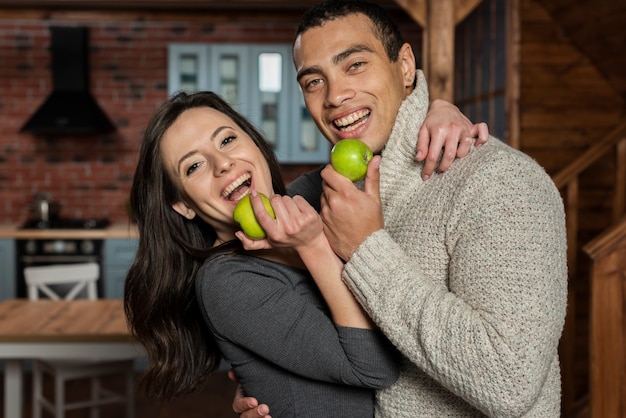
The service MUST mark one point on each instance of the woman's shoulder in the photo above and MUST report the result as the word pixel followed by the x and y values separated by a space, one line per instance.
pixel 241 272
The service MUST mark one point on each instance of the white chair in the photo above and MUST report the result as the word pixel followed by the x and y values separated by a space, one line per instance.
pixel 70 281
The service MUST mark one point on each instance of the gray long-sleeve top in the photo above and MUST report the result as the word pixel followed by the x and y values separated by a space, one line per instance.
pixel 273 327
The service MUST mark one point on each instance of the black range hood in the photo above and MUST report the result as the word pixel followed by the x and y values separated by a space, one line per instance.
pixel 70 108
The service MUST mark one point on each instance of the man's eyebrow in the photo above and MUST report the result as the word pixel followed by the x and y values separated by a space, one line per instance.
pixel 310 70
pixel 352 50
pixel 335 60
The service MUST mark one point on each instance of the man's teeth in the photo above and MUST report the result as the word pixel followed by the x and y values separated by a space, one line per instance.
pixel 235 184
pixel 353 126
pixel 350 119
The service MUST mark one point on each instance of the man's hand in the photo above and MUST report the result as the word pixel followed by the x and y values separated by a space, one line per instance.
pixel 247 407
pixel 446 129
pixel 349 214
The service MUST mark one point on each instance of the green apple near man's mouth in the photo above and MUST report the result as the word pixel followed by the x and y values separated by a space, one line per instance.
pixel 350 157
pixel 244 216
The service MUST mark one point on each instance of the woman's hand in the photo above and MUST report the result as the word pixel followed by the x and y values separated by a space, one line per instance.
pixel 446 129
pixel 296 223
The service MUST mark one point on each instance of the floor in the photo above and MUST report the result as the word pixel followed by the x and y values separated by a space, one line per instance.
pixel 213 400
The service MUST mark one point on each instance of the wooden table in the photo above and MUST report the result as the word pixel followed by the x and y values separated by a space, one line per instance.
pixel 79 329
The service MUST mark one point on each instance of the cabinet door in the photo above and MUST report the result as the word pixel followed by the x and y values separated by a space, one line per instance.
pixel 270 96
pixel 187 68
pixel 119 254
pixel 258 81
pixel 7 273
pixel 307 144
pixel 229 75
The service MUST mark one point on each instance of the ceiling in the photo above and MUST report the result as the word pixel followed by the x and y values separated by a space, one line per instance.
pixel 597 28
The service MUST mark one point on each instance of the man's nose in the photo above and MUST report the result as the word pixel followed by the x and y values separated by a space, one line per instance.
pixel 338 91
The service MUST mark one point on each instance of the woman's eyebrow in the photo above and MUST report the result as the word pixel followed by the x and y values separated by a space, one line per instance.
pixel 195 151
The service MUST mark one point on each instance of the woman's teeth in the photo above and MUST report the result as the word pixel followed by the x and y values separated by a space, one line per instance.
pixel 242 180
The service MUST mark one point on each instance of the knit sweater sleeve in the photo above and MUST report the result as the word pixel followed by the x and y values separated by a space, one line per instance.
pixel 490 335
pixel 469 278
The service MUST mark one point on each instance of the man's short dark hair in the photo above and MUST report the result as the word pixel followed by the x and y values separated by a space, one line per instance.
pixel 383 26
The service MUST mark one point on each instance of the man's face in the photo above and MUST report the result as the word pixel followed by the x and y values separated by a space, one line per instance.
pixel 350 87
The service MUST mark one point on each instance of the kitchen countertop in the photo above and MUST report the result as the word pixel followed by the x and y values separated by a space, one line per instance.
pixel 113 231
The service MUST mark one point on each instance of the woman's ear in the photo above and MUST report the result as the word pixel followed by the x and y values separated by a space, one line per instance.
pixel 182 208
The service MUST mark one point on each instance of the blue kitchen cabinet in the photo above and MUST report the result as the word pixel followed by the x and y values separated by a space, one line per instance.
pixel 119 254
pixel 7 269
pixel 259 81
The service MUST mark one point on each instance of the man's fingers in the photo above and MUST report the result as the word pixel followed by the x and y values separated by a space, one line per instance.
pixel 232 376
pixel 372 178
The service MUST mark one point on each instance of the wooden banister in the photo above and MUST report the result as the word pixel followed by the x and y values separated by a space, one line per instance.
pixel 567 181
pixel 607 346
pixel 607 241
pixel 590 157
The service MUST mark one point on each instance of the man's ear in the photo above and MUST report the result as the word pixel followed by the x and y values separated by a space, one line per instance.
pixel 407 60
pixel 182 208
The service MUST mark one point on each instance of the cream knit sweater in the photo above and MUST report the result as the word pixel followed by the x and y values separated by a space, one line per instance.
pixel 468 279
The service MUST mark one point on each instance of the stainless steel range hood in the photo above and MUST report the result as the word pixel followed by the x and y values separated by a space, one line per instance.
pixel 70 108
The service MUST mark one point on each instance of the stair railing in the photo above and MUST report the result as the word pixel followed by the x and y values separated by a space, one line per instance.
pixel 567 181
pixel 607 342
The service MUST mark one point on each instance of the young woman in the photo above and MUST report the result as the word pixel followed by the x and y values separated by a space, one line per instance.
pixel 293 333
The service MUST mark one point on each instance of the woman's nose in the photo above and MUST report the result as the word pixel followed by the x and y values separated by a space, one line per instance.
pixel 222 163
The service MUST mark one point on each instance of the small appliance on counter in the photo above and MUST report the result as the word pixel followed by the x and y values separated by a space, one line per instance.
pixel 42 209
pixel 44 214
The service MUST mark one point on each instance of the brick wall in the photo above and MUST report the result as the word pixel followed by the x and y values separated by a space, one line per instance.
pixel 90 176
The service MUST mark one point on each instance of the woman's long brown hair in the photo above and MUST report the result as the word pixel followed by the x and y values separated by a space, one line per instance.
pixel 159 293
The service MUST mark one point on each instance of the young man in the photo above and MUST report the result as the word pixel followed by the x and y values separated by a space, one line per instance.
pixel 465 273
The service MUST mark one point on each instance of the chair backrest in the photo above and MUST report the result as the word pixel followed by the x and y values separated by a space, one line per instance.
pixel 58 279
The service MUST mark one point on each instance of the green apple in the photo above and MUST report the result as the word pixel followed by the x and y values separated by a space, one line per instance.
pixel 350 158
pixel 244 216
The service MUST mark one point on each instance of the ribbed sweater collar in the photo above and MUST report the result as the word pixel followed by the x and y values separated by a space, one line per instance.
pixel 399 153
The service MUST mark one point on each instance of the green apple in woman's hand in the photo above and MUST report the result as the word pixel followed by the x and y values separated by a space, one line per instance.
pixel 350 157
pixel 244 216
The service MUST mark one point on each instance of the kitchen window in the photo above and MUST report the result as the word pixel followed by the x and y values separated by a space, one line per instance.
pixel 259 81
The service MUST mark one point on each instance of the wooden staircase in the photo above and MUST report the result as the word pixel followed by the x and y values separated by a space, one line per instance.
pixel 607 310
pixel 607 384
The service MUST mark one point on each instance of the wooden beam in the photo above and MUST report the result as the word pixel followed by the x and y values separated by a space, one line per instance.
pixel 462 8
pixel 512 104
pixel 438 18
pixel 416 9
pixel 439 43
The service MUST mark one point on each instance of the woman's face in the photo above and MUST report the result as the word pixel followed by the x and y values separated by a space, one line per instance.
pixel 215 163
